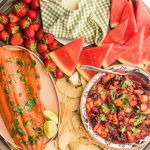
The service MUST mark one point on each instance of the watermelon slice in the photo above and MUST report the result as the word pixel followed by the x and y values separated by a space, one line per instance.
pixel 142 17
pixel 117 7
pixel 146 50
pixel 147 67
pixel 94 57
pixel 115 53
pixel 128 13
pixel 134 57
pixel 66 57
pixel 116 35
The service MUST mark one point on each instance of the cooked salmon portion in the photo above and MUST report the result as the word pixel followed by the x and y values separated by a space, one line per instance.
pixel 20 104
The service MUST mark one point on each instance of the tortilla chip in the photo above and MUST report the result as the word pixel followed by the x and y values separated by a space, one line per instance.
pixel 73 104
pixel 76 121
pixel 51 146
pixel 83 82
pixel 68 89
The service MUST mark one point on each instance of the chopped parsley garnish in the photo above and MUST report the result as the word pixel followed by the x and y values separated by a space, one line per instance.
pixel 112 93
pixel 33 64
pixel 126 83
pixel 31 141
pixel 7 91
pixel 124 99
pixel 140 118
pixel 17 129
pixel 10 59
pixel 28 123
pixel 105 108
pixel 20 94
pixel 23 79
pixel 134 129
pixel 1 68
pixel 30 103
pixel 102 117
pixel 10 102
pixel 20 71
pixel 111 127
pixel 39 131
pixel 113 109
pixel 122 129
pixel 28 90
pixel 20 62
pixel 18 110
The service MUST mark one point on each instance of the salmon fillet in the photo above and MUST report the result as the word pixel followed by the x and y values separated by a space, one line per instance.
pixel 20 104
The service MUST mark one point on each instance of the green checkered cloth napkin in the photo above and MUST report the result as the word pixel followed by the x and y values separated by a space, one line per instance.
pixel 91 19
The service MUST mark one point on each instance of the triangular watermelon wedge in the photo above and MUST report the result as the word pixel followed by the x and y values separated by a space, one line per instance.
pixel 94 57
pixel 116 35
pixel 128 13
pixel 147 68
pixel 117 7
pixel 146 50
pixel 134 56
pixel 66 57
pixel 115 53
pixel 142 17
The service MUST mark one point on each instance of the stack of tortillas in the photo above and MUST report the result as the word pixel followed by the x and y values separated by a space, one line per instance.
pixel 72 134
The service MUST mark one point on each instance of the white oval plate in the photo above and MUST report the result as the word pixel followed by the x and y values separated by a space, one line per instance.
pixel 48 94
pixel 84 115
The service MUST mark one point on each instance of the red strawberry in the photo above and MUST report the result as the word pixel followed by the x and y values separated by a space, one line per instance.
pixel 39 35
pixel 30 44
pixel 4 36
pixel 42 48
pixel 20 9
pixel 50 66
pixel 12 28
pixel 29 32
pixel 59 74
pixel 36 26
pixel 3 18
pixel 24 23
pixel 26 1
pixel 35 4
pixel 1 27
pixel 13 18
pixel 45 56
pixel 54 45
pixel 48 38
pixel 32 14
pixel 16 39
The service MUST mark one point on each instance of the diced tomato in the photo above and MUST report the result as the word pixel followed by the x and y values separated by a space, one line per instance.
pixel 100 89
pixel 144 98
pixel 110 116
pixel 97 103
pixel 133 103
pixel 118 102
pixel 130 137
pixel 88 108
pixel 88 100
pixel 143 107
pixel 128 110
pixel 97 126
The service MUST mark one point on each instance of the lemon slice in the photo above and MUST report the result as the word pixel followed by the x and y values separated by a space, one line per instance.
pixel 50 115
pixel 50 129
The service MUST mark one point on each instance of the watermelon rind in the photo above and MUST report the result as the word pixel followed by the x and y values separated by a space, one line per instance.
pixel 105 65
pixel 114 24
pixel 83 73
pixel 60 65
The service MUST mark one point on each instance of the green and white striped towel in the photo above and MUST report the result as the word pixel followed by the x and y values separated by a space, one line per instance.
pixel 90 19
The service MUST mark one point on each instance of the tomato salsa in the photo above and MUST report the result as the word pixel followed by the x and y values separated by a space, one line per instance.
pixel 118 109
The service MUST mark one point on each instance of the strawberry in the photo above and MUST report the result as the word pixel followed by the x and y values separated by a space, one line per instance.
pixel 20 9
pixel 29 32
pixel 16 39
pixel 48 38
pixel 35 4
pixel 26 1
pixel 32 14
pixel 3 19
pixel 45 56
pixel 39 35
pixel 36 26
pixel 50 66
pixel 24 23
pixel 4 36
pixel 53 45
pixel 42 48
pixel 12 28
pixel 1 27
pixel 30 44
pixel 13 18
pixel 59 74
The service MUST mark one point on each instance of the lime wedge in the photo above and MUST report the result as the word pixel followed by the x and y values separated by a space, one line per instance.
pixel 50 115
pixel 50 129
